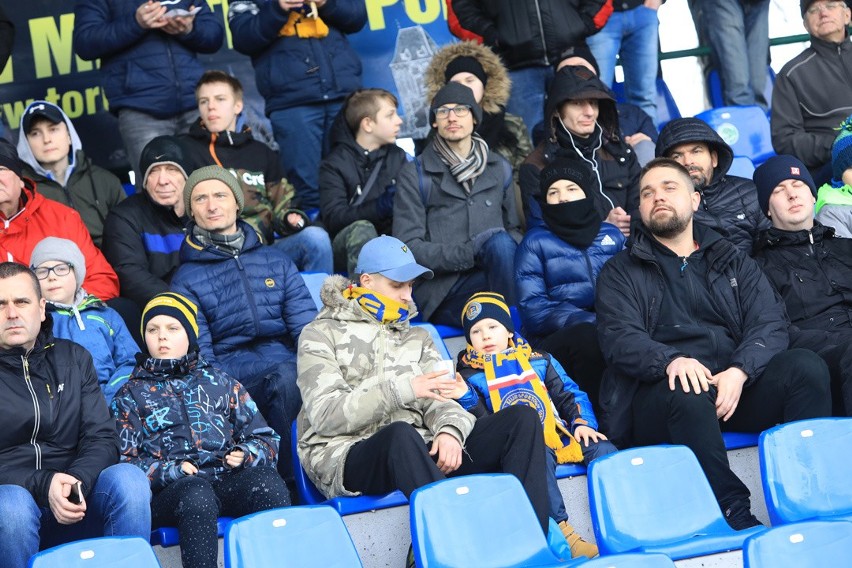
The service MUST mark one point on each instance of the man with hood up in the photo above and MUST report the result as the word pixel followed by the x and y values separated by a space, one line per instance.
pixel 581 120
pixel 54 158
pixel 728 203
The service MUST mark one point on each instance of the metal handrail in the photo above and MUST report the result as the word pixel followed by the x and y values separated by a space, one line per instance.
pixel 704 51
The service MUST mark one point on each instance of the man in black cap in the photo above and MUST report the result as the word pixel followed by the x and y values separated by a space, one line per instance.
pixel 810 268
pixel 813 91
pixel 455 207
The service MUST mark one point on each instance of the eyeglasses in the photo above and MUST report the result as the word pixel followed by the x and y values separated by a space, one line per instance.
pixel 824 6
pixel 460 111
pixel 63 269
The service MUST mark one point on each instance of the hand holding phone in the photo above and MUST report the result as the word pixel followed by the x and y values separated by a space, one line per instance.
pixel 76 495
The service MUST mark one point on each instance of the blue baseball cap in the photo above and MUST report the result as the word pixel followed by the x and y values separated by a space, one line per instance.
pixel 391 258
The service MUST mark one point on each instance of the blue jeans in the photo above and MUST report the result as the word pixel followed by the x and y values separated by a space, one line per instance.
pixel 118 505
pixel 529 87
pixel 631 34
pixel 738 34
pixel 309 249
pixel 594 451
pixel 138 128
pixel 303 135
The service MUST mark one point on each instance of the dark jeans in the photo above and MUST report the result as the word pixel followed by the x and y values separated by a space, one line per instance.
pixel 510 441
pixel 794 386
pixel 449 312
pixel 591 452
pixel 835 348
pixel 193 504
pixel 578 351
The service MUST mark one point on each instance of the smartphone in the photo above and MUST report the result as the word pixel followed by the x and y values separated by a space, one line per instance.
pixel 76 495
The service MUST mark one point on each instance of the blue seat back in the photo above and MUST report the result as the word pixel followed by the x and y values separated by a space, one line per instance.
pixel 810 543
pixel 106 552
pixel 651 496
pixel 292 537
pixel 667 108
pixel 476 520
pixel 169 536
pixel 805 469
pixel 308 492
pixel 742 167
pixel 745 129
pixel 714 87
pixel 630 561
pixel 313 281
pixel 436 338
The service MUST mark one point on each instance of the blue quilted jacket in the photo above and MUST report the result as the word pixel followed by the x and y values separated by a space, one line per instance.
pixel 556 281
pixel 251 307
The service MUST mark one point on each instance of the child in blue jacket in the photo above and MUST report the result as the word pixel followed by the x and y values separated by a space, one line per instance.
pixel 500 369
pixel 82 318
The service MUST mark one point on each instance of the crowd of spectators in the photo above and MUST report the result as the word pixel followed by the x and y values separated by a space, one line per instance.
pixel 662 299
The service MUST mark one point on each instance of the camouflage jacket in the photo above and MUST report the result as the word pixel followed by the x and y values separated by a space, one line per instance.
pixel 355 378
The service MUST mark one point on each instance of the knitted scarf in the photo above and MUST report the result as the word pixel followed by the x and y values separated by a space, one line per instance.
pixel 231 244
pixel 464 170
pixel 384 309
pixel 575 222
pixel 512 380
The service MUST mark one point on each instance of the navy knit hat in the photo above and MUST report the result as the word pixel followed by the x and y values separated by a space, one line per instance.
pixel 9 157
pixel 775 170
pixel 455 93
pixel 841 150
pixel 483 305
pixel 177 306
pixel 566 167
pixel 805 4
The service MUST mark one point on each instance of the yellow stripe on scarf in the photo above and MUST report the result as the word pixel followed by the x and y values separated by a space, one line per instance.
pixel 384 309
pixel 304 27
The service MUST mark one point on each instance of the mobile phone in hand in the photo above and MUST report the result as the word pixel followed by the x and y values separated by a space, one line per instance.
pixel 76 495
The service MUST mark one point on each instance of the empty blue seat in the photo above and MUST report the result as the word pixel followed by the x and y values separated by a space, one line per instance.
pixel 310 495
pixel 657 499
pixel 805 468
pixel 169 536
pixel 742 167
pixel 630 561
pixel 666 106
pixel 745 129
pixel 484 520
pixel 313 281
pixel 106 552
pixel 292 537
pixel 810 544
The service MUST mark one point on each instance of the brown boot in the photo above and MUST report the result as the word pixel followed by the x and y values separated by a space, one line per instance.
pixel 578 546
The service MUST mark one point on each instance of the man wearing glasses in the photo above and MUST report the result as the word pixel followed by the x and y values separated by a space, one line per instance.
pixel 455 207
pixel 813 91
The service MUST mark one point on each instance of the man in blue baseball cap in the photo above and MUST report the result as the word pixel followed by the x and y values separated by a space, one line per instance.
pixel 376 408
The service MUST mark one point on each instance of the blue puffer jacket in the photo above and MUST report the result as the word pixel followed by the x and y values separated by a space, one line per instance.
pixel 556 281
pixel 146 70
pixel 98 328
pixel 292 71
pixel 251 307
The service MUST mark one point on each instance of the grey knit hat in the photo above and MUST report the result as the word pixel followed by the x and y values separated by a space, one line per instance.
pixel 213 172
pixel 455 93
pixel 62 250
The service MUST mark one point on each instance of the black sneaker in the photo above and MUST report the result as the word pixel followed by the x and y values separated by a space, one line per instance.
pixel 409 561
pixel 739 517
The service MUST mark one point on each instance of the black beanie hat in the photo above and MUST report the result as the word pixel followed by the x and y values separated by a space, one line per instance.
pixel 177 306
pixel 483 305
pixel 775 170
pixel 9 157
pixel 163 150
pixel 805 4
pixel 466 64
pixel 582 50
pixel 455 93
pixel 566 167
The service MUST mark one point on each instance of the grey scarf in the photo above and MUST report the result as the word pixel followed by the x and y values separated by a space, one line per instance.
pixel 464 170
pixel 231 244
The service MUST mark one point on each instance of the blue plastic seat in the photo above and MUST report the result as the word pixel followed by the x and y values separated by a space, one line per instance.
pixel 745 129
pixel 313 281
pixel 310 495
pixel 436 337
pixel 169 536
pixel 667 108
pixel 484 520
pixel 106 552
pixel 657 499
pixel 742 167
pixel 816 544
pixel 291 537
pixel 805 468
pixel 630 561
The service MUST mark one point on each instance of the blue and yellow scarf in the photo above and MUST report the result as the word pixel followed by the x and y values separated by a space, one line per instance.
pixel 512 380
pixel 384 309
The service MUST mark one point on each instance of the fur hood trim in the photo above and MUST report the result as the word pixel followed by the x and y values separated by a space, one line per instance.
pixel 496 90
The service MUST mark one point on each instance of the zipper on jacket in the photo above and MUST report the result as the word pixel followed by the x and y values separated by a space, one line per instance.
pixel 811 241
pixel 249 294
pixel 541 31
pixel 36 408
pixel 589 265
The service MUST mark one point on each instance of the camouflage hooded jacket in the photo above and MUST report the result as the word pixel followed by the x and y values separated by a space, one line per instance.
pixel 355 378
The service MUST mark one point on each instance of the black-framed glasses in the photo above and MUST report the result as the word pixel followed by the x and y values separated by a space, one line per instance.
pixel 459 110
pixel 63 269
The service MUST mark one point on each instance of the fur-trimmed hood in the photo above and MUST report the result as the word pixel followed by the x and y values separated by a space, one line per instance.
pixel 496 90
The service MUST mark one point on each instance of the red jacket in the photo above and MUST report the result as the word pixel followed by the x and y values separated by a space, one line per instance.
pixel 40 217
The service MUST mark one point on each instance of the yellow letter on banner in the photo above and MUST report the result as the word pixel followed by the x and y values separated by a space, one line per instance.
pixel 375 13
pixel 423 16
pixel 48 41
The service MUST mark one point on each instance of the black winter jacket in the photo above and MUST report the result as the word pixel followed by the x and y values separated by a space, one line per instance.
pixel 344 174
pixel 142 243
pixel 628 297
pixel 729 203
pixel 533 32
pixel 54 417
pixel 812 271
